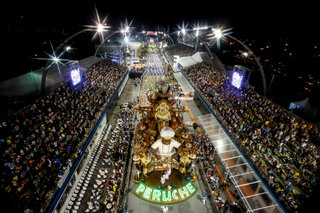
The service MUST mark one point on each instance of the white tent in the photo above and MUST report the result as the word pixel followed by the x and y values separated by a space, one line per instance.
pixel 189 60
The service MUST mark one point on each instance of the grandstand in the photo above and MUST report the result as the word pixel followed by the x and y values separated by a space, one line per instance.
pixel 93 145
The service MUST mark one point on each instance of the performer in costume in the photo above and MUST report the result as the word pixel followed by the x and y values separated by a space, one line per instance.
pixel 165 147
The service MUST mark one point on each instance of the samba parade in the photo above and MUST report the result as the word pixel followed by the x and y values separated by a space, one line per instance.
pixel 164 151
pixel 155 119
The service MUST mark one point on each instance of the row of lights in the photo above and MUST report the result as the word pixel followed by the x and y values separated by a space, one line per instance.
pixel 216 36
pixel 100 28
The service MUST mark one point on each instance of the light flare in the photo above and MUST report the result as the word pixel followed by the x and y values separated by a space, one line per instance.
pixel 217 35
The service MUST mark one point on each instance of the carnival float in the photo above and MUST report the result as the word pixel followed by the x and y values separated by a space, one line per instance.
pixel 163 150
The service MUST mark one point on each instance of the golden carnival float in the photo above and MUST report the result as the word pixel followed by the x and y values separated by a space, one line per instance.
pixel 163 150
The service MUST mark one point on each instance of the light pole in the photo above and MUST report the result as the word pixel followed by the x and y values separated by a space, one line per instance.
pixel 123 30
pixel 126 41
pixel 198 29
pixel 98 48
pixel 220 34
pixel 184 31
pixel 169 37
pixel 202 42
pixel 100 28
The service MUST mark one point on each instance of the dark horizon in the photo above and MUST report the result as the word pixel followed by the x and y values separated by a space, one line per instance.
pixel 30 23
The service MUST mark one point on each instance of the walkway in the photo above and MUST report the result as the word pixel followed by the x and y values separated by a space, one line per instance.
pixel 253 192
pixel 193 204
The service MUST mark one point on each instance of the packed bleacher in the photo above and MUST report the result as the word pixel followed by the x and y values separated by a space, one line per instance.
pixel 179 49
pixel 42 140
pixel 282 147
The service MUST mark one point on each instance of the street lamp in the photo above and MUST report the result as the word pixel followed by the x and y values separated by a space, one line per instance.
pixel 126 39
pixel 183 31
pixel 99 28
pixel 197 33
pixel 245 54
pixel 219 34
pixel 169 37
pixel 198 36
pixel 55 59
pixel 124 30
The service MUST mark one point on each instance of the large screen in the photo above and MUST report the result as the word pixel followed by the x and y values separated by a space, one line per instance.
pixel 75 76
pixel 236 79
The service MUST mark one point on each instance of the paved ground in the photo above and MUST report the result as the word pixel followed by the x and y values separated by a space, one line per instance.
pixel 193 204
pixel 135 204
pixel 129 93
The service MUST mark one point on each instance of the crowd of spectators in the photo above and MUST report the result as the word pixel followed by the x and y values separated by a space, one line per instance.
pixel 215 184
pixel 112 170
pixel 281 146
pixel 179 49
pixel 42 140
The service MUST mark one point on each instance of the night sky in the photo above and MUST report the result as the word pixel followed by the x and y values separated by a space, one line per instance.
pixel 256 16
pixel 259 19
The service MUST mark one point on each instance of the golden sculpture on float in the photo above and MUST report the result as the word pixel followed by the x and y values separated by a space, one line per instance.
pixel 162 144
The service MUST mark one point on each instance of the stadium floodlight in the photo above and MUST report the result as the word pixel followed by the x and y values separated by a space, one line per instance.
pixel 200 28
pixel 125 28
pixel 218 34
pixel 182 29
pixel 197 33
pixel 99 28
pixel 55 59
pixel 245 54
pixel 221 34
pixel 68 48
